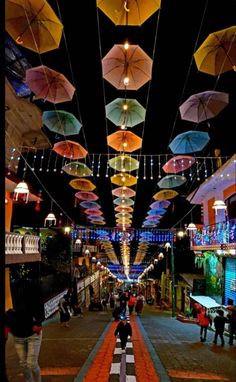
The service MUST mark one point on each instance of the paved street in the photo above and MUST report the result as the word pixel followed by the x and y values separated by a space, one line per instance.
pixel 67 353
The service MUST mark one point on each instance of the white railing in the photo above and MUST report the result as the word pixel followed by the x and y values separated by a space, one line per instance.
pixel 17 244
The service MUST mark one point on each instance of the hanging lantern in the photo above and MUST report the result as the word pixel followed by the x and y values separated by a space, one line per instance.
pixel 219 205
pixel 21 192
pixel 50 220
pixel 191 227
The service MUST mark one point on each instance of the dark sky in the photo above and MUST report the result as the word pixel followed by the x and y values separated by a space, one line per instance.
pixel 170 37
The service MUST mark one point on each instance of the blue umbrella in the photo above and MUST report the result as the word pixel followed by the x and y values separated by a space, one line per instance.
pixel 189 142
pixel 90 205
pixel 171 181
pixel 61 122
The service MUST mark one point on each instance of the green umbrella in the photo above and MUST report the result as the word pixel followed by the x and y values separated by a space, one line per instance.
pixel 127 112
pixel 77 169
pixel 61 122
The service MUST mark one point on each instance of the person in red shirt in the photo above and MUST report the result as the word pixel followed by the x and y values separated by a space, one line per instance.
pixel 204 321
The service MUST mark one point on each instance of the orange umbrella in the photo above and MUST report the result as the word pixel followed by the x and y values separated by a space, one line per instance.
pixel 128 12
pixel 88 195
pixel 124 209
pixel 124 141
pixel 123 192
pixel 82 184
pixel 165 194
pixel 70 149
pixel 178 163
pixel 125 215
pixel 49 85
pixel 127 68
pixel 126 221
pixel 33 24
pixel 123 179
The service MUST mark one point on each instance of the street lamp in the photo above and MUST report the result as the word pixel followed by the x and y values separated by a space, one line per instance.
pixel 172 274
pixel 67 231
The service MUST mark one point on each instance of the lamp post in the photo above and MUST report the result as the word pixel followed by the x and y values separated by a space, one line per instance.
pixel 172 274
pixel 67 231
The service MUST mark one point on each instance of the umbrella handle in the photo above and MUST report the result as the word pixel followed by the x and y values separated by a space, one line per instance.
pixel 125 6
pixel 19 40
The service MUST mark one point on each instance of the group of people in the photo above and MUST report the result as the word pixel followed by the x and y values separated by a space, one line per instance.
pixel 204 321
pixel 128 300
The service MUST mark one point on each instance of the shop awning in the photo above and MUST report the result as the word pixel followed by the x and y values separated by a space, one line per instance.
pixel 206 301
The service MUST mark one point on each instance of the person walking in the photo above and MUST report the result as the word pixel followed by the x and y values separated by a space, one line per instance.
pixel 219 323
pixel 139 304
pixel 204 321
pixel 231 316
pixel 64 310
pixel 131 303
pixel 124 330
pixel 24 323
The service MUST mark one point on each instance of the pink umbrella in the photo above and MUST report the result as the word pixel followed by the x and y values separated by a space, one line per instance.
pixel 48 84
pixel 123 192
pixel 93 211
pixel 127 67
pixel 178 163
pixel 124 209
pixel 83 195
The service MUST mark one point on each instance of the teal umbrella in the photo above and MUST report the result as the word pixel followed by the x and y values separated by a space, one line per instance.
pixel 127 112
pixel 61 122
pixel 189 142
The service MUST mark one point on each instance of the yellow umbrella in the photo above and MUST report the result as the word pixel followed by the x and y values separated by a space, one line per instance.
pixel 129 12
pixel 124 209
pixel 33 24
pixel 125 215
pixel 124 163
pixel 124 141
pixel 82 184
pixel 165 194
pixel 217 54
pixel 77 169
pixel 123 179
pixel 125 221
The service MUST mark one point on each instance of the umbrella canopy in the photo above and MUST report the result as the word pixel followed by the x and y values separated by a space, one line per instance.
pixel 153 217
pixel 87 205
pixel 77 169
pixel 70 149
pixel 123 202
pixel 129 12
pixel 126 221
pixel 217 54
pixel 163 203
pixel 124 209
pixel 171 181
pixel 124 162
pixel 155 210
pixel 124 179
pixel 49 85
pixel 123 192
pixel 178 163
pixel 33 24
pixel 202 106
pixel 97 222
pixel 189 142
pixel 93 211
pixel 82 184
pixel 124 141
pixel 125 215
pixel 61 122
pixel 164 195
pixel 96 218
pixel 89 196
pixel 126 68
pixel 126 112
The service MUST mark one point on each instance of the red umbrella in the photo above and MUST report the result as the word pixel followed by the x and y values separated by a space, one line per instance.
pixel 123 192
pixel 83 195
pixel 70 149
pixel 178 163
pixel 48 84
pixel 93 211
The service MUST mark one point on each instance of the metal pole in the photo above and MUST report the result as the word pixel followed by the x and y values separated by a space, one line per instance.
pixel 173 275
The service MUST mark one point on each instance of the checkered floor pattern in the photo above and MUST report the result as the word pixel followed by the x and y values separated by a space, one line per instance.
pixel 122 367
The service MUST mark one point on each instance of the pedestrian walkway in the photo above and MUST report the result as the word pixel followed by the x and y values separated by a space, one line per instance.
pixel 162 348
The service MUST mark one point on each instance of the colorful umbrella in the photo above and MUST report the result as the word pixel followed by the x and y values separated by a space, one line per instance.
pixel 123 202
pixel 162 203
pixel 126 221
pixel 93 211
pixel 155 210
pixel 87 205
pixel 61 122
pixel 124 141
pixel 171 181
pixel 123 192
pixel 164 195
pixel 96 218
pixel 178 163
pixel 70 149
pixel 126 112
pixel 82 184
pixel 124 179
pixel 123 225
pixel 189 142
pixel 125 215
pixel 124 209
pixel 217 54
pixel 124 163
pixel 127 68
pixel 153 217
pixel 33 24
pixel 89 196
pixel 202 106
pixel 97 222
pixel 77 169
pixel 49 85
pixel 129 12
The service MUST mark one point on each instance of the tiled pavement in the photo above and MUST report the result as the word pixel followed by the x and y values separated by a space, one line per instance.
pixel 164 350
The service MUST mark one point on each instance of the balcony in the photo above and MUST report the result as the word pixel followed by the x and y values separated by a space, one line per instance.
pixel 21 248
pixel 219 236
